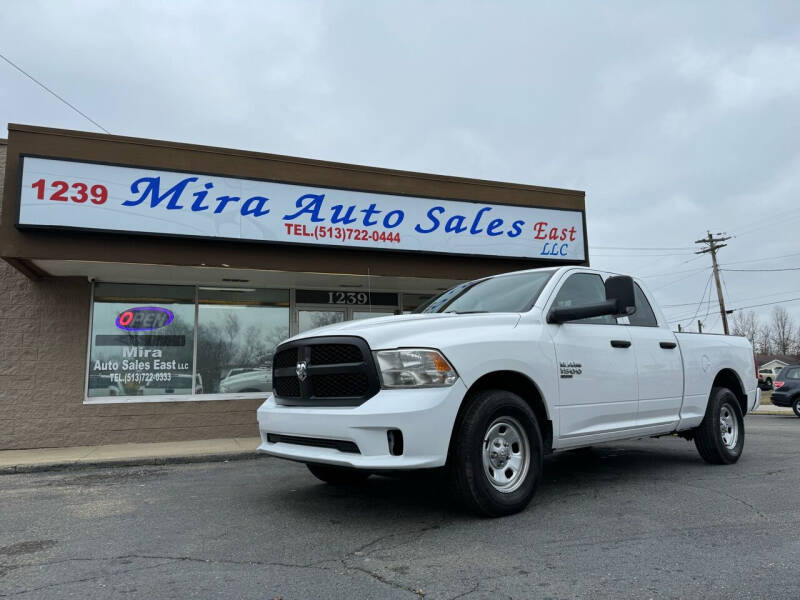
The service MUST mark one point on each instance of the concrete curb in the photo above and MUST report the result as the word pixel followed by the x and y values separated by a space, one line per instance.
pixel 129 462
pixel 773 412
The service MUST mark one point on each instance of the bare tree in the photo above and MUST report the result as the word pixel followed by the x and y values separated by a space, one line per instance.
pixel 782 327
pixel 764 339
pixel 747 325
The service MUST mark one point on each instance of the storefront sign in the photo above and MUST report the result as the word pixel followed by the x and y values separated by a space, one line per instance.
pixel 144 318
pixel 68 194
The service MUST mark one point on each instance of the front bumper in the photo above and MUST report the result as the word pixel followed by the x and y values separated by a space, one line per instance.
pixel 424 416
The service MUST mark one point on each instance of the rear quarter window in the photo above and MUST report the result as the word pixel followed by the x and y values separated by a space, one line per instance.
pixel 644 315
pixel 791 373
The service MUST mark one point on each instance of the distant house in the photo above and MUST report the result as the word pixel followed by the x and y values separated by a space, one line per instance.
pixel 775 365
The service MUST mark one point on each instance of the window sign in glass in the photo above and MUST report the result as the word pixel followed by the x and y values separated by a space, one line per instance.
pixel 237 332
pixel 142 340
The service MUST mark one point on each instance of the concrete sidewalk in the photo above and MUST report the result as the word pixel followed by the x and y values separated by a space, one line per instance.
pixel 769 409
pixel 45 459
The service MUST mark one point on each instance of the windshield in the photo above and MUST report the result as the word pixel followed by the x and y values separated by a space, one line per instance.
pixel 505 293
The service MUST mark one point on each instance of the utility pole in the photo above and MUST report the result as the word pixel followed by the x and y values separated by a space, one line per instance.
pixel 699 326
pixel 712 245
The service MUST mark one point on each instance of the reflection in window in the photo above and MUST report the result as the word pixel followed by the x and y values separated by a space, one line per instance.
pixel 237 332
pixel 142 340
pixel 311 319
pixel 582 289
pixel 644 315
pixel 365 314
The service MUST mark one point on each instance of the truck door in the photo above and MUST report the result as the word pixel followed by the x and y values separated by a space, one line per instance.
pixel 597 367
pixel 659 368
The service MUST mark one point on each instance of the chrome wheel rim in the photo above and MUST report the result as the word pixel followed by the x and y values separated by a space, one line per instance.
pixel 506 454
pixel 728 426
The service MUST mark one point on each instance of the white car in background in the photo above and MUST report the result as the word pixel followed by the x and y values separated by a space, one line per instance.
pixel 176 386
pixel 253 380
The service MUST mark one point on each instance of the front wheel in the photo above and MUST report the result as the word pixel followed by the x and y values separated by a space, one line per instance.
pixel 796 406
pixel 720 436
pixel 496 458
pixel 337 475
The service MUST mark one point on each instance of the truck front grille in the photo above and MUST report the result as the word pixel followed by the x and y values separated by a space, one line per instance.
pixel 324 371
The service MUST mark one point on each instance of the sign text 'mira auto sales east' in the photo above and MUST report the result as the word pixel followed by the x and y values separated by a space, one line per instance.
pixel 69 194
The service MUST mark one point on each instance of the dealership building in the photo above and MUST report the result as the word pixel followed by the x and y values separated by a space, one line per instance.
pixel 145 284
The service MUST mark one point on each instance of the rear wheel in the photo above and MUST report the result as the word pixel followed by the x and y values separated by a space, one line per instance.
pixel 796 406
pixel 720 436
pixel 496 459
pixel 337 475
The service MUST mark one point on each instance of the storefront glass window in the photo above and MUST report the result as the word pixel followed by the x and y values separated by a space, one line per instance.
pixel 142 340
pixel 413 301
pixel 236 337
pixel 160 340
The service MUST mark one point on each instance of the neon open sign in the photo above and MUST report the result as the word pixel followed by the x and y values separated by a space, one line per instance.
pixel 144 318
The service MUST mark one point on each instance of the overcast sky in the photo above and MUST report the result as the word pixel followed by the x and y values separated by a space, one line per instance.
pixel 674 117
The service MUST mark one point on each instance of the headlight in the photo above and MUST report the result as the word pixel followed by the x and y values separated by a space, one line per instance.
pixel 414 367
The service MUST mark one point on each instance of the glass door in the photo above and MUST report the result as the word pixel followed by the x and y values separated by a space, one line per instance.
pixel 310 317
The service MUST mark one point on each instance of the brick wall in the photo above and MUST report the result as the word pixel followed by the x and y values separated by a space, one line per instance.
pixel 43 338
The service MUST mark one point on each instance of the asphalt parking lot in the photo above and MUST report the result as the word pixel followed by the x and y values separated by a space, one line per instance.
pixel 644 519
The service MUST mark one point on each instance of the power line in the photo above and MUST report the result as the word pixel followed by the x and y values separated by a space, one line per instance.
pixel 674 281
pixel 642 255
pixel 739 262
pixel 767 304
pixel 674 273
pixel 760 270
pixel 699 304
pixel 44 87
pixel 684 318
pixel 640 248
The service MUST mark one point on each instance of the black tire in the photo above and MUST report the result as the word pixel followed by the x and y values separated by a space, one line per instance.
pixel 769 383
pixel 796 406
pixel 471 480
pixel 337 475
pixel 709 440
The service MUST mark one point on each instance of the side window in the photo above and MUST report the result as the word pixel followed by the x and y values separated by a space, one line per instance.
pixel 580 289
pixel 792 374
pixel 644 315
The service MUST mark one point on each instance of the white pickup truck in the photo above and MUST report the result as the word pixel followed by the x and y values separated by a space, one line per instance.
pixel 496 373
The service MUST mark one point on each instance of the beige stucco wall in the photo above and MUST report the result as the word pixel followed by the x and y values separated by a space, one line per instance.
pixel 43 337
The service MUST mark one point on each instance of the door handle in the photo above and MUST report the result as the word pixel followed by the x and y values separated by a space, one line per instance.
pixel 620 343
pixel 668 345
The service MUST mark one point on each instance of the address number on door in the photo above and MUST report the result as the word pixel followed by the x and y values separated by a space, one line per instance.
pixel 348 298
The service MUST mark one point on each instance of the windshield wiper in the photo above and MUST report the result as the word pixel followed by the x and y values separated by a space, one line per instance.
pixel 465 312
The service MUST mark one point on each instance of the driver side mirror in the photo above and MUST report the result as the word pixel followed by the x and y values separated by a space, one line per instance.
pixel 620 289
pixel 620 302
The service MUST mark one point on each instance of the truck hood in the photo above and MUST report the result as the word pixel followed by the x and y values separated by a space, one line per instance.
pixel 431 330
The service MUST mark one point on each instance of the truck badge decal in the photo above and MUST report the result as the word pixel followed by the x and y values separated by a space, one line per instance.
pixel 568 369
pixel 302 370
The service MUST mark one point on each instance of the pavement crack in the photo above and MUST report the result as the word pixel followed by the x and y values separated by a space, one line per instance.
pixel 731 496
pixel 380 578
pixel 468 592
pixel 82 580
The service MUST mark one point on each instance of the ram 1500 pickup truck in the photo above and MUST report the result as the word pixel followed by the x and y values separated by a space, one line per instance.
pixel 496 373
